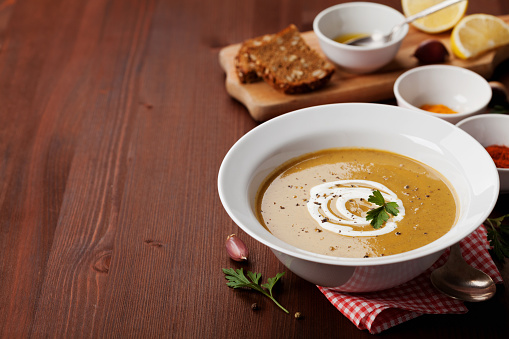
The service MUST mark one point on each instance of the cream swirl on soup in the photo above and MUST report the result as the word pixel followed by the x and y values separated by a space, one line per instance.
pixel 328 206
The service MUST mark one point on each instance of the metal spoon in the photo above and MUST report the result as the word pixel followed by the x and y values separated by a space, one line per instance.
pixel 378 39
pixel 461 281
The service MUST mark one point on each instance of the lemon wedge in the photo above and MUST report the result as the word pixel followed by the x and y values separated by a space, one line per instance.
pixel 437 22
pixel 478 33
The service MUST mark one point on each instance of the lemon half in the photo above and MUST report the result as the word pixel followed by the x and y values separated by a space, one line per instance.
pixel 437 22
pixel 478 33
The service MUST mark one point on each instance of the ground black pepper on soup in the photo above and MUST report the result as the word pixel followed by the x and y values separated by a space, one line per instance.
pixel 318 202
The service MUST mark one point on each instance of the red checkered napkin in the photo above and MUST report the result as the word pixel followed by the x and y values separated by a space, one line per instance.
pixel 378 311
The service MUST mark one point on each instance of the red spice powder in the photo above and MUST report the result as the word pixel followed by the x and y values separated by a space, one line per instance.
pixel 500 155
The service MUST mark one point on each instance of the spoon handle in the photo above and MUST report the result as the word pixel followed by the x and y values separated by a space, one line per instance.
pixel 455 252
pixel 431 9
pixel 423 13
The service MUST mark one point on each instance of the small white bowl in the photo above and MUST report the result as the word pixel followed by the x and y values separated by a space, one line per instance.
pixel 359 18
pixel 443 146
pixel 490 129
pixel 458 88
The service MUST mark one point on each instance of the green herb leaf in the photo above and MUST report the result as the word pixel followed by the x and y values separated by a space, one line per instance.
pixel 499 109
pixel 255 277
pixel 380 215
pixel 498 236
pixel 272 281
pixel 392 208
pixel 237 279
pixel 377 198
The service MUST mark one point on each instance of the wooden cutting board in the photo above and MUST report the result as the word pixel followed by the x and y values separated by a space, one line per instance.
pixel 263 102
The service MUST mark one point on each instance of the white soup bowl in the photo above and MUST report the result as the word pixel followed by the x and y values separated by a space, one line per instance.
pixel 443 146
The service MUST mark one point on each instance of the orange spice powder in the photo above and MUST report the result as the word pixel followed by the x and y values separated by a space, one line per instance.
pixel 437 109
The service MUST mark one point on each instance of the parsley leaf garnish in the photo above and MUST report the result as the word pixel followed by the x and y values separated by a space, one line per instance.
pixel 237 279
pixel 380 215
pixel 499 109
pixel 498 236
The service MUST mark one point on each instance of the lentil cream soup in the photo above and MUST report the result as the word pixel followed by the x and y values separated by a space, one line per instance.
pixel 318 202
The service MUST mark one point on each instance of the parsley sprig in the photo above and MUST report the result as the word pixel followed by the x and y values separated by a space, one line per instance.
pixel 498 236
pixel 380 215
pixel 237 279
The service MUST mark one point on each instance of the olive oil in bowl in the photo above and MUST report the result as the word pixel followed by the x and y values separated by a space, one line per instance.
pixel 349 36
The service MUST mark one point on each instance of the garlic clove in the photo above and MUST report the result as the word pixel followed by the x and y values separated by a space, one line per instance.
pixel 236 248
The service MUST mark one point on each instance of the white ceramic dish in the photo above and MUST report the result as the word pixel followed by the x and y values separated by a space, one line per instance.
pixel 443 146
pixel 359 18
pixel 490 129
pixel 448 149
pixel 460 89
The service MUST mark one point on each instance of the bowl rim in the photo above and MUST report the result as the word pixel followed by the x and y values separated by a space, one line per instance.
pixel 331 42
pixel 452 68
pixel 484 117
pixel 344 261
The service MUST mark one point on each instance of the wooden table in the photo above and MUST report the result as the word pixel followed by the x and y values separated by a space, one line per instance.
pixel 114 121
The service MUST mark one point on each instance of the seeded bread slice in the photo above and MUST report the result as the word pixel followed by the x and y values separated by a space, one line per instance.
pixel 287 63
pixel 245 66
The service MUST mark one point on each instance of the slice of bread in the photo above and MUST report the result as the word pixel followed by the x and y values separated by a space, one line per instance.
pixel 287 63
pixel 246 68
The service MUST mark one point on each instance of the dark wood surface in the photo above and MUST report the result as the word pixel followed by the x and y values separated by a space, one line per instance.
pixel 114 121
